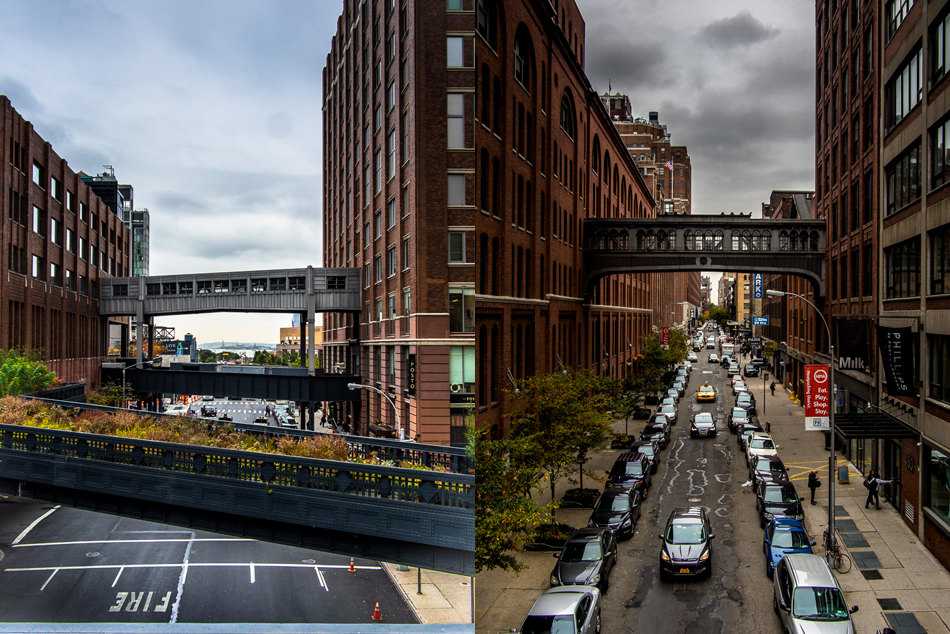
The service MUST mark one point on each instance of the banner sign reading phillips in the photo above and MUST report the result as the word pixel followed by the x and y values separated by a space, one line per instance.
pixel 817 398
pixel 897 350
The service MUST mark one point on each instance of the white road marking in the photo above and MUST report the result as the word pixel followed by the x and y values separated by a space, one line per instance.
pixel 117 575
pixel 135 541
pixel 323 582
pixel 181 581
pixel 189 565
pixel 252 572
pixel 48 579
pixel 31 526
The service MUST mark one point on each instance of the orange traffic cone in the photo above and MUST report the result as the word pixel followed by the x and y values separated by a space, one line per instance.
pixel 352 568
pixel 376 615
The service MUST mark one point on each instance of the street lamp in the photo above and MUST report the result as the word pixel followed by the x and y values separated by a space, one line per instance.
pixel 831 417
pixel 356 386
pixel 132 366
pixel 663 313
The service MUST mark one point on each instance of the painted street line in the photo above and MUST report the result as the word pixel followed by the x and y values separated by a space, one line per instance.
pixel 130 541
pixel 31 526
pixel 187 565
pixel 117 575
pixel 48 579
pixel 323 582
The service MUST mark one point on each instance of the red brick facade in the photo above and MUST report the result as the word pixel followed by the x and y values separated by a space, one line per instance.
pixel 52 228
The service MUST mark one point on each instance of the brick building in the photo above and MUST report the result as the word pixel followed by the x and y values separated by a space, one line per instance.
pixel 58 240
pixel 399 202
pixel 547 156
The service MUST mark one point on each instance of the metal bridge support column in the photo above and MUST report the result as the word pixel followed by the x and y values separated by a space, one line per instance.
pixel 139 333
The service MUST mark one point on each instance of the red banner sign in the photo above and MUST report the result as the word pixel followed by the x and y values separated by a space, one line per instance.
pixel 665 337
pixel 817 398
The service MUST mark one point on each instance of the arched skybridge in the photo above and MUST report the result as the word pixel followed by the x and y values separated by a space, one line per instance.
pixel 704 243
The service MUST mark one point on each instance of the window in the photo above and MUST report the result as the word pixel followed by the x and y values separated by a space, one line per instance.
pixel 940 159
pixel 522 72
pixel 903 92
pixel 38 177
pixel 391 212
pixel 82 284
pixel 456 120
pixel 454 5
pixel 455 57
pixel 377 117
pixel 367 274
pixel 378 216
pixel 54 275
pixel 405 201
pixel 936 480
pixel 55 231
pixel 83 212
pixel 368 240
pixel 462 369
pixel 903 269
pixel 456 190
pixel 93 255
pixel 567 117
pixel 895 12
pixel 461 310
pixel 405 136
pixel 940 369
pixel 70 280
pixel 486 21
pixel 457 246
pixel 39 221
pixel 902 180
pixel 405 303
pixel 39 268
pixel 369 184
pixel 70 241
pixel 940 261
pixel 82 248
pixel 379 170
pixel 391 147
pixel 70 201
pixel 405 254
pixel 378 263
pixel 391 257
pixel 391 48
pixel 940 60
pixel 391 96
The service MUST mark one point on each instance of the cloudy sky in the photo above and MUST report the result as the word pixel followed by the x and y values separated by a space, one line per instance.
pixel 211 110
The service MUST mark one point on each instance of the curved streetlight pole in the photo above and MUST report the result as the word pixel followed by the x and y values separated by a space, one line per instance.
pixel 355 386
pixel 831 417
pixel 663 313
pixel 132 366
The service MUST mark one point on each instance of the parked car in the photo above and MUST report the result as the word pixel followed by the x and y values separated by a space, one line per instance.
pixel 746 401
pixel 649 449
pixel 739 386
pixel 702 425
pixel 693 357
pixel 668 400
pixel 630 471
pixel 750 370
pixel 657 431
pixel 706 393
pixel 739 416
pixel 567 610
pixel 768 468
pixel 732 370
pixel 784 536
pixel 759 444
pixel 669 411
pixel 774 500
pixel 680 387
pixel 587 558
pixel 807 598
pixel 617 510
pixel 687 544
pixel 673 392
pixel 744 431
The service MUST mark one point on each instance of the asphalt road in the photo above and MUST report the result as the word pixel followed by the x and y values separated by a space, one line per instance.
pixel 74 566
pixel 706 472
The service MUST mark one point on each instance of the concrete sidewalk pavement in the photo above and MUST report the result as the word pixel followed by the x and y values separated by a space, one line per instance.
pixel 895 581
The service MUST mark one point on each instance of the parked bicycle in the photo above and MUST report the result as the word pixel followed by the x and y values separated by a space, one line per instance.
pixel 836 559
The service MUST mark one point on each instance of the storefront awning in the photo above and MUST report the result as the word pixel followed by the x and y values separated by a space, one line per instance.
pixel 872 425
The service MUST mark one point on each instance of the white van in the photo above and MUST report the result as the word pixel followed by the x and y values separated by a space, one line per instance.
pixel 710 343
pixel 728 349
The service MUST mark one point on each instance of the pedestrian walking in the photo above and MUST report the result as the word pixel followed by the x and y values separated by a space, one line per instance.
pixel 873 484
pixel 772 387
pixel 813 483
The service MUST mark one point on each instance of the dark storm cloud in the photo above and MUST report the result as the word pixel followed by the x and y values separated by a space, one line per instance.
pixel 616 57
pixel 742 29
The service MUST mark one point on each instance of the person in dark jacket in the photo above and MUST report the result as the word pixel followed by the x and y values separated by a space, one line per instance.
pixel 772 387
pixel 873 484
pixel 813 483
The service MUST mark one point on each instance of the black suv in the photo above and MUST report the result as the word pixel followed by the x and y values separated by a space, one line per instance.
pixel 739 416
pixel 777 499
pixel 587 558
pixel 649 449
pixel 703 424
pixel 750 370
pixel 630 471
pixel 617 510
pixel 687 544
pixel 657 431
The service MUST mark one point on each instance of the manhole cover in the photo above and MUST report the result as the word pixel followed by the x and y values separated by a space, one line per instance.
pixel 93 554
pixel 889 604
pixel 872 575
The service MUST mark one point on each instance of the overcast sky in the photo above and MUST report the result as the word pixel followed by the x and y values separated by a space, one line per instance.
pixel 211 110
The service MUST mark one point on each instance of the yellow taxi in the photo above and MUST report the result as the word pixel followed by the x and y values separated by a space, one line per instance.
pixel 706 392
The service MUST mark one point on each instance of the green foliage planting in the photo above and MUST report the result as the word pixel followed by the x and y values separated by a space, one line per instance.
pixel 21 372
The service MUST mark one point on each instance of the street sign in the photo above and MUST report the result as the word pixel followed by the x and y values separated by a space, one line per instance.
pixel 665 337
pixel 757 286
pixel 760 321
pixel 817 398
pixel 770 347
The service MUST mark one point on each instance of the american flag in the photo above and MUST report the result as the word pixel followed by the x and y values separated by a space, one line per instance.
pixel 293 325
pixel 669 164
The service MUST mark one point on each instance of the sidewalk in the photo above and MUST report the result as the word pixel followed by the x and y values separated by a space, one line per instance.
pixel 445 598
pixel 895 581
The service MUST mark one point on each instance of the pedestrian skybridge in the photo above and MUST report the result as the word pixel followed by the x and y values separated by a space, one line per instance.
pixel 305 290
pixel 705 243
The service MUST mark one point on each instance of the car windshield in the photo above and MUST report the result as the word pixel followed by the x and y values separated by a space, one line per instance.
pixel 819 604
pixel 703 417
pixel 678 384
pixel 782 495
pixel 581 551
pixel 738 412
pixel 563 624
pixel 706 389
pixel 666 409
pixel 614 503
pixel 761 443
pixel 646 450
pixel 745 397
pixel 628 468
pixel 685 534
pixel 790 539
pixel 775 467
